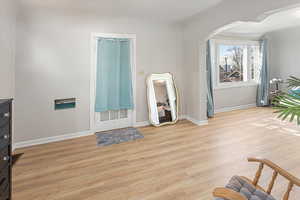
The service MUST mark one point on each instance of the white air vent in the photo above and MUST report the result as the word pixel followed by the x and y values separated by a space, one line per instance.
pixel 113 115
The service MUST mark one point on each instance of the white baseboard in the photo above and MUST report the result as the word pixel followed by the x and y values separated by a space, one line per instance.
pixel 141 124
pixel 85 133
pixel 241 107
pixel 51 139
pixel 197 122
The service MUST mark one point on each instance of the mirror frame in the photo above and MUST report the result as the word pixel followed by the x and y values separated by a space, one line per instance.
pixel 177 99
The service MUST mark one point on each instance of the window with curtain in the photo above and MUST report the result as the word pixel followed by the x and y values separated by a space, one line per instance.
pixel 236 63
pixel 113 78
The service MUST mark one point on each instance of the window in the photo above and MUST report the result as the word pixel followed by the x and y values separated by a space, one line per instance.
pixel 236 63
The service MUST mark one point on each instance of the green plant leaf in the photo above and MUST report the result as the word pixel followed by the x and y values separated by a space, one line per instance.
pixel 288 105
pixel 293 81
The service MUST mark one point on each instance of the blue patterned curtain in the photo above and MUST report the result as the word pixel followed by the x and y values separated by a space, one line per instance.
pixel 210 96
pixel 113 78
pixel 262 98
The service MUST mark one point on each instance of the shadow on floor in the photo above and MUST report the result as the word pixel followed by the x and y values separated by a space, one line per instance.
pixel 16 157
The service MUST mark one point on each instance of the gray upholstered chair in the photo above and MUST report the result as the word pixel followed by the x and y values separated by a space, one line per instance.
pixel 242 188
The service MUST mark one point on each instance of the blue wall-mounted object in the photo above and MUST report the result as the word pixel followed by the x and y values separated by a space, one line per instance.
pixel 60 104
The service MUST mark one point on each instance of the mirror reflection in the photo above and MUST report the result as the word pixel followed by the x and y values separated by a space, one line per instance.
pixel 162 99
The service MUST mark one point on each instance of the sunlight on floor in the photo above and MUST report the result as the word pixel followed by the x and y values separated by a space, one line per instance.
pixel 273 123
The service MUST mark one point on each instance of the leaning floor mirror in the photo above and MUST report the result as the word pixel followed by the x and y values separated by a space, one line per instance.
pixel 162 99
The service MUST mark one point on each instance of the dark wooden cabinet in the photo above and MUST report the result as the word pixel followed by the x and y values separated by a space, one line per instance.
pixel 5 149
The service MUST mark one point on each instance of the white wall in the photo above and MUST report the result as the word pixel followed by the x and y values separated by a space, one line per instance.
pixel 199 28
pixel 234 97
pixel 7 47
pixel 53 61
pixel 285 52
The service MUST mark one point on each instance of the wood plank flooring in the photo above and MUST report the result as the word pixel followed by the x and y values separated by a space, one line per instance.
pixel 178 162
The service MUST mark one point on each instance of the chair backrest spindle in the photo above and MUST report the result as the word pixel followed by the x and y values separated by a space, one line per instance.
pixel 275 174
pixel 289 189
pixel 258 174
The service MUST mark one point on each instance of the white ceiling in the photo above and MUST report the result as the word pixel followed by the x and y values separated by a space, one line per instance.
pixel 280 20
pixel 165 10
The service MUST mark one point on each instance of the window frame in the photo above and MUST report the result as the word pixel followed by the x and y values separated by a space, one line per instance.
pixel 215 63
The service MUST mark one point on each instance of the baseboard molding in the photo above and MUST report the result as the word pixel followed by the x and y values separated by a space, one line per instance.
pixel 58 138
pixel 197 122
pixel 51 139
pixel 227 109
pixel 141 124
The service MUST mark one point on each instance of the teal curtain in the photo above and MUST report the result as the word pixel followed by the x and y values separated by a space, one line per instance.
pixel 210 96
pixel 262 98
pixel 113 78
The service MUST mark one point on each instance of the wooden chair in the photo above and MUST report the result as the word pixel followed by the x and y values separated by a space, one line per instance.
pixel 226 193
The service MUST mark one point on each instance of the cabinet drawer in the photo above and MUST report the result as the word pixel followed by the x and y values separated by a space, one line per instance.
pixel 4 178
pixel 4 136
pixel 4 157
pixel 4 114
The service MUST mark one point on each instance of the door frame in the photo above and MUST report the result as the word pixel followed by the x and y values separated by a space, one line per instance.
pixel 94 37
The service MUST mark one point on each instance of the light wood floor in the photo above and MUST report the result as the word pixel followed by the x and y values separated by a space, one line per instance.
pixel 180 162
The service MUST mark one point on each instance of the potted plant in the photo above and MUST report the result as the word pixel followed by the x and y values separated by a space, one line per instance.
pixel 288 103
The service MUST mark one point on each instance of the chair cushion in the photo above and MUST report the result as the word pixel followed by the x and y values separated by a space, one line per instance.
pixel 246 189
